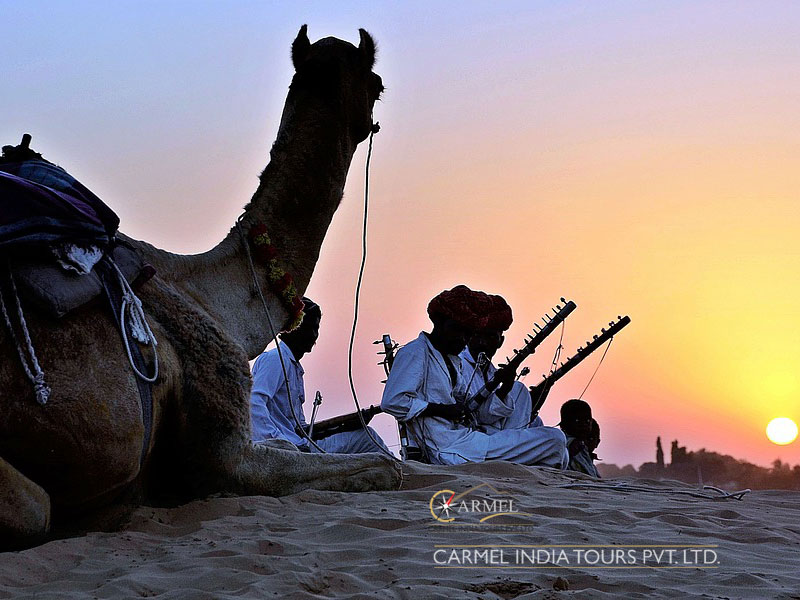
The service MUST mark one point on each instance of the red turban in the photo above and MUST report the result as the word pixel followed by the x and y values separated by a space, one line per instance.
pixel 499 317
pixel 472 309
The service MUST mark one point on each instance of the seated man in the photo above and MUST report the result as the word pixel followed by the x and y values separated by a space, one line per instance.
pixel 509 407
pixel 270 409
pixel 576 423
pixel 420 392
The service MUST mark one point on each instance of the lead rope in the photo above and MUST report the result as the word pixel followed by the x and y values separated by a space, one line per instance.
pixel 140 329
pixel 300 430
pixel 375 128
pixel 36 375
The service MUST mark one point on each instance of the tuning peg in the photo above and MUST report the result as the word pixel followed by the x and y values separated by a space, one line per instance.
pixel 563 300
pixel 603 330
pixel 619 317
pixel 558 307
pixel 611 323
pixel 594 337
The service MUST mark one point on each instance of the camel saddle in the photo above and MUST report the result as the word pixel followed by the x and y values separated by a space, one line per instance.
pixel 46 217
pixel 59 244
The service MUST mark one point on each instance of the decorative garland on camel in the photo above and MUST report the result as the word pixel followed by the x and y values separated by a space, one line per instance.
pixel 279 281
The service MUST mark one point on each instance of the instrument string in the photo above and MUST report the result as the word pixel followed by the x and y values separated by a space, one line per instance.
pixel 602 358
pixel 556 357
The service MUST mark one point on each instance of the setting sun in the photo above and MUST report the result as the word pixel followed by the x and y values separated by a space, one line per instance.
pixel 782 431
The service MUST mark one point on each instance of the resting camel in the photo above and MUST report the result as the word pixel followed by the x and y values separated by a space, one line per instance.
pixel 74 463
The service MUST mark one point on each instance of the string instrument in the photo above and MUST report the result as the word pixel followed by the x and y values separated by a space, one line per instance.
pixel 539 392
pixel 351 421
pixel 532 342
pixel 348 422
pixel 389 348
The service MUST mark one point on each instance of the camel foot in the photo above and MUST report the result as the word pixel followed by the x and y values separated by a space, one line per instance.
pixel 24 510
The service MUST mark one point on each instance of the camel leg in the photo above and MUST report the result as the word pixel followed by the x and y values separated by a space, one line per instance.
pixel 224 459
pixel 234 465
pixel 273 471
pixel 24 509
pixel 212 418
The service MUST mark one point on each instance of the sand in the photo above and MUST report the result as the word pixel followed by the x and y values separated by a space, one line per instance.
pixel 382 545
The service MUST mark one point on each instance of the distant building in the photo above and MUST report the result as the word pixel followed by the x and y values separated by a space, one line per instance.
pixel 659 454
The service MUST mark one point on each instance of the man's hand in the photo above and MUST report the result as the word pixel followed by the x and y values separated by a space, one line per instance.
pixel 506 377
pixel 367 415
pixel 451 412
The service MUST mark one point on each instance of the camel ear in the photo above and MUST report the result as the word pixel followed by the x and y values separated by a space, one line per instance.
pixel 300 47
pixel 367 48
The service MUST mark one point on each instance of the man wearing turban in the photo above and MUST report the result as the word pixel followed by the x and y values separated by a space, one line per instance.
pixel 426 381
pixel 509 407
pixel 277 396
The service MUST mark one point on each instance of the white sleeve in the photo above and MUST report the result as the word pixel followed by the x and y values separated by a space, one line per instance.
pixel 402 396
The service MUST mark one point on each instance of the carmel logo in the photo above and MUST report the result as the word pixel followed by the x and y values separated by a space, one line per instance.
pixel 446 505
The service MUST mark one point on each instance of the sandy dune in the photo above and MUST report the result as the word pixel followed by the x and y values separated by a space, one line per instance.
pixel 383 545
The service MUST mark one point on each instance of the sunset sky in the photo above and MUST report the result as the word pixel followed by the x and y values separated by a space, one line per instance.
pixel 639 158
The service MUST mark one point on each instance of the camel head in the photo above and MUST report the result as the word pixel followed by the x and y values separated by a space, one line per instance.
pixel 334 79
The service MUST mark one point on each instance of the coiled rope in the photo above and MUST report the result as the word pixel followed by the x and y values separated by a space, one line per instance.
pixel 33 372
pixel 140 328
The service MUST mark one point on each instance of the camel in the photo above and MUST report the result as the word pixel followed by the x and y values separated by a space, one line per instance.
pixel 75 463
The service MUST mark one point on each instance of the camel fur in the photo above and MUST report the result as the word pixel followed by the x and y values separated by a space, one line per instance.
pixel 74 463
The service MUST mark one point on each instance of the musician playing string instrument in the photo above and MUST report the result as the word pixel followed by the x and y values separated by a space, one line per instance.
pixel 509 407
pixel 426 382
pixel 270 412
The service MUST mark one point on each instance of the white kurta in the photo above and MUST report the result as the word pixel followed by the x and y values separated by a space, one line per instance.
pixel 496 414
pixel 271 416
pixel 420 376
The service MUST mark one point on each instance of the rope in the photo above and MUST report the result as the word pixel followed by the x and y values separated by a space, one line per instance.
pixel 40 388
pixel 375 127
pixel 140 328
pixel 257 285
pixel 626 487
pixel 602 358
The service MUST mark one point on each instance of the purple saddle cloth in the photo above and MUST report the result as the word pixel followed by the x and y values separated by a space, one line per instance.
pixel 41 203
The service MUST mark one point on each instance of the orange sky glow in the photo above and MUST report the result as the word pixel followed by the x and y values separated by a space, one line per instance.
pixel 637 158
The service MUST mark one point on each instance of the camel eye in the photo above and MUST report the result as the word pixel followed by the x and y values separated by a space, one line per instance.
pixel 377 86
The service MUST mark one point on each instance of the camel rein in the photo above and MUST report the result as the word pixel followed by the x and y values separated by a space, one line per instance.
pixel 274 334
